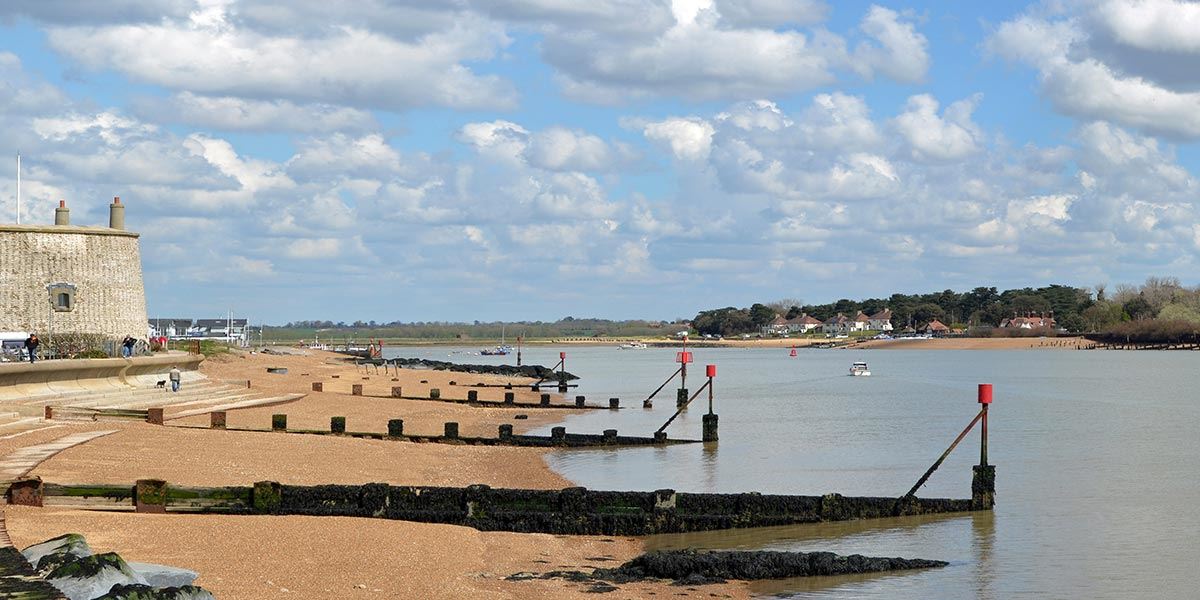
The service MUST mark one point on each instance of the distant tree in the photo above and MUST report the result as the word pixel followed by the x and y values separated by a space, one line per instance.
pixel 1025 304
pixel 1138 308
pixel 924 313
pixel 1179 312
pixel 1072 322
pixel 761 314
pixel 793 312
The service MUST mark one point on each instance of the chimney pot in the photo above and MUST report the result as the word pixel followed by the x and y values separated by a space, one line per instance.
pixel 62 214
pixel 116 214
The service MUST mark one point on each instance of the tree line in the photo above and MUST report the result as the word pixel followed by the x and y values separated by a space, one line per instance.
pixel 982 309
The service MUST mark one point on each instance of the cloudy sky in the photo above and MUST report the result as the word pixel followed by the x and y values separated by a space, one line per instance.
pixel 532 159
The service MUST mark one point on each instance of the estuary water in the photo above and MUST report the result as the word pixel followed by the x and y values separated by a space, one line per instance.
pixel 1097 478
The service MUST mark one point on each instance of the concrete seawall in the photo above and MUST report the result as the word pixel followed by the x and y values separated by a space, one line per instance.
pixel 20 381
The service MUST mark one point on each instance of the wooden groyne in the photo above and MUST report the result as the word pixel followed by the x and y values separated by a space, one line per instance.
pixel 577 511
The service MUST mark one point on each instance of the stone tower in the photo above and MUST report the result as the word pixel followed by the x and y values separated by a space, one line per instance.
pixel 71 279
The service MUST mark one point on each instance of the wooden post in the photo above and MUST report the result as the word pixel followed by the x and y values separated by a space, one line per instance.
pixel 337 424
pixel 435 394
pixel 216 419
pixel 558 434
pixel 150 496
pixel 709 424
pixel 506 431
pixel 356 389
pixel 278 422
pixel 545 400
pixel 26 491
pixel 579 400
pixel 473 396
pixel 396 428
pixel 614 403
pixel 397 391
pixel 451 430
pixel 317 386
pixel 154 416
pixel 509 398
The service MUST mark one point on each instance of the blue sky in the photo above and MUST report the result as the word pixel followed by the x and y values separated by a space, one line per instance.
pixel 532 159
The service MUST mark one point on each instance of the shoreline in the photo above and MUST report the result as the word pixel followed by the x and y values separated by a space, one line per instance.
pixel 945 343
pixel 272 556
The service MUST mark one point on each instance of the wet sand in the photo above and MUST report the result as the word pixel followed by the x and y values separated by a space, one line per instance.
pixel 321 557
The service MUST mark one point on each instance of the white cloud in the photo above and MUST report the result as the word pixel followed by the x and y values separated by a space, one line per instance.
pixel 1163 25
pixel 759 114
pixel 251 266
pixel 771 13
pixel 319 248
pixel 950 137
pixel 237 114
pixel 688 138
pixel 503 140
pixel 839 121
pixel 900 52
pixel 1082 83
pixel 112 129
pixel 562 149
pixel 209 53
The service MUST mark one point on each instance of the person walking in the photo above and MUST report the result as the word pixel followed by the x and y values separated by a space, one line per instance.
pixel 31 346
pixel 127 346
pixel 174 377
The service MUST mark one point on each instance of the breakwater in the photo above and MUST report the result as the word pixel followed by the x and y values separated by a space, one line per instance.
pixel 576 511
pixel 531 371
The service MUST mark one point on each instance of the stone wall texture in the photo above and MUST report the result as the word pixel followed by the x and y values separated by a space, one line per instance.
pixel 104 265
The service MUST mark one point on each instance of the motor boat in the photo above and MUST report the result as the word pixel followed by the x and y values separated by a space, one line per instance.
pixel 859 369
pixel 633 346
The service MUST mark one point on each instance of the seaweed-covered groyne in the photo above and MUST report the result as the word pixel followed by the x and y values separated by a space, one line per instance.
pixel 568 511
pixel 531 371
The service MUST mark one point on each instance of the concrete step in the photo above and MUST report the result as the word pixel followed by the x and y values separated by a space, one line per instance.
pixel 60 399
pixel 157 397
pixel 207 399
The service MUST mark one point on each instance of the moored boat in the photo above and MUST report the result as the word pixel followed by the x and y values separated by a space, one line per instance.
pixel 860 369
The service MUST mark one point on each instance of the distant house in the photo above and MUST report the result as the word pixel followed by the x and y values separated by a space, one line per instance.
pixel 169 327
pixel 838 324
pixel 880 321
pixel 861 322
pixel 801 324
pixel 1029 322
pixel 219 328
pixel 936 328
pixel 805 323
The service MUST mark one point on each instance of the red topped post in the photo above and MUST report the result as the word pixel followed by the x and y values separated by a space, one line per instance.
pixel 985 399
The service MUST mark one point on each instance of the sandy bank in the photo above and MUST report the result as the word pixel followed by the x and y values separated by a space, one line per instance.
pixel 255 557
pixel 260 557
pixel 1059 343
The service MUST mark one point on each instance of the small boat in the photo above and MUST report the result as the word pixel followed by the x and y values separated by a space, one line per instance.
pixel 497 351
pixel 633 346
pixel 859 369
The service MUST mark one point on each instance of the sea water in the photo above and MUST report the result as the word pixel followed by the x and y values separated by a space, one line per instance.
pixel 1096 454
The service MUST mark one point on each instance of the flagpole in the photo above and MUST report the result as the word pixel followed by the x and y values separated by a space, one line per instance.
pixel 18 188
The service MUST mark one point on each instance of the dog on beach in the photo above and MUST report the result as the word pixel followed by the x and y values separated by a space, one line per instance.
pixel 162 383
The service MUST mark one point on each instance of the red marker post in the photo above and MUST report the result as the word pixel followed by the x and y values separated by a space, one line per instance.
pixel 985 399
pixel 683 358
pixel 709 421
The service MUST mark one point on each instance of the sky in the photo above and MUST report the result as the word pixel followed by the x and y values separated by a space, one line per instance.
pixel 533 159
